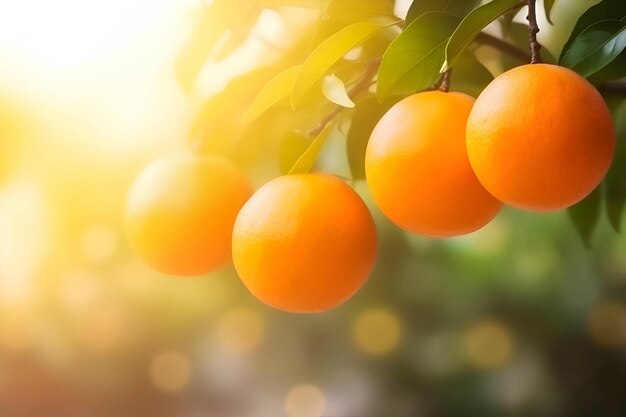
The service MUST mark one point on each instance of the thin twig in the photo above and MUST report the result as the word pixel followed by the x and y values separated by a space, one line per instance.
pixel 613 89
pixel 444 85
pixel 533 29
pixel 363 84
pixel 503 46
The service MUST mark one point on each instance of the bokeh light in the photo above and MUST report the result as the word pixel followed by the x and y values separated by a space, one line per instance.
pixel 305 401
pixel 99 243
pixel 377 331
pixel 170 371
pixel 488 344
pixel 606 324
pixel 240 330
pixel 519 318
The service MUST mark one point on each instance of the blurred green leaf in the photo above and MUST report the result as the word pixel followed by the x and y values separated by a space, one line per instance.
pixel 292 146
pixel 374 47
pixel 605 10
pixel 413 59
pixel 613 71
pixel 218 21
pixel 335 90
pixel 359 10
pixel 328 53
pixel 547 7
pixel 472 25
pixel 616 178
pixel 458 8
pixel 303 4
pixel 595 47
pixel 275 90
pixel 306 161
pixel 216 114
pixel 586 214
pixel 368 111
pixel 470 75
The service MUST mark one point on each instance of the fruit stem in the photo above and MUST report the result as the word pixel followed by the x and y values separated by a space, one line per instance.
pixel 362 84
pixel 444 84
pixel 533 29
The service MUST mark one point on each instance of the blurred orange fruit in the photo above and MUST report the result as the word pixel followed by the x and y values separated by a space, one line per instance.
pixel 540 137
pixel 180 213
pixel 417 168
pixel 304 243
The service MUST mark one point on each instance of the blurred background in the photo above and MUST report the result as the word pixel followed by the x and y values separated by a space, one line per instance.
pixel 517 319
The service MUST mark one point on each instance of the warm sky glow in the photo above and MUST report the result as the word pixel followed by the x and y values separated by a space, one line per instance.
pixel 64 34
pixel 106 66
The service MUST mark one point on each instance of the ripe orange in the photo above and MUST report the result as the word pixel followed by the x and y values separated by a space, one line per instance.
pixel 540 137
pixel 417 168
pixel 181 210
pixel 304 243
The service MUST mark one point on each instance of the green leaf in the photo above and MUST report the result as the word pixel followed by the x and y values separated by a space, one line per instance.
pixel 471 26
pixel 309 156
pixel 547 7
pixel 413 59
pixel 605 10
pixel 367 113
pixel 586 214
pixel 328 53
pixel 292 146
pixel 458 8
pixel 595 47
pixel 616 178
pixel 276 89
pixel 335 90
pixel 613 71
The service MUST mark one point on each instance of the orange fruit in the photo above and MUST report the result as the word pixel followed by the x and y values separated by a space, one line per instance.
pixel 304 243
pixel 180 213
pixel 417 168
pixel 540 137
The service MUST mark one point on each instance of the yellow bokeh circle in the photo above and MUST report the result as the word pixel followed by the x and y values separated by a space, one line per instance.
pixel 377 331
pixel 487 344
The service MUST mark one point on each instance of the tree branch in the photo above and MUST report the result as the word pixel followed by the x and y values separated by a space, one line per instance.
pixel 503 46
pixel 364 83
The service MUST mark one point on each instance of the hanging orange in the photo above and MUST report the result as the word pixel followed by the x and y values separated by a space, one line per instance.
pixel 304 243
pixel 180 213
pixel 418 171
pixel 540 137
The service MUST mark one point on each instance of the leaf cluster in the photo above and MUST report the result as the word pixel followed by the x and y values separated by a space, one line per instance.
pixel 353 60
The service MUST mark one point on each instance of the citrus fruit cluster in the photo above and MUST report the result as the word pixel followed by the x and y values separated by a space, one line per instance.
pixel 439 164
